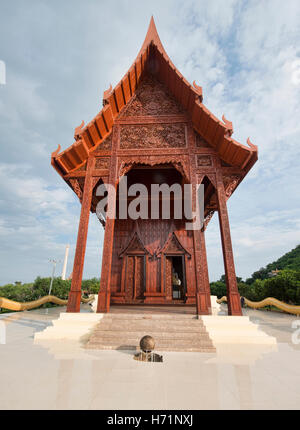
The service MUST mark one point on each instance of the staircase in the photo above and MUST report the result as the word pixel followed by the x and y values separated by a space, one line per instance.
pixel 171 332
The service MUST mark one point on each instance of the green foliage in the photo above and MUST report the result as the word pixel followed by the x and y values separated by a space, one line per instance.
pixel 290 260
pixel 285 287
pixel 91 285
pixel 40 288
pixel 218 289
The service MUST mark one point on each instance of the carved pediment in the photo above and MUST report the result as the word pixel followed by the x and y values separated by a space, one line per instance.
pixel 173 246
pixel 134 246
pixel 151 98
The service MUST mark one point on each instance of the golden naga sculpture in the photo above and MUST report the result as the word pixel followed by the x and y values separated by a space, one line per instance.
pixel 25 306
pixel 269 301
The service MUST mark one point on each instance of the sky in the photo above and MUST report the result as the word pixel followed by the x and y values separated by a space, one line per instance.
pixel 61 55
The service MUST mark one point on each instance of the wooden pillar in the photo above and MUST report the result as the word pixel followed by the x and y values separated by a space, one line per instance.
pixel 233 297
pixel 104 292
pixel 203 302
pixel 75 292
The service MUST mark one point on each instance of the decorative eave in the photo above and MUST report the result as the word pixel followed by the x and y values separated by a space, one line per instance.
pixel 153 57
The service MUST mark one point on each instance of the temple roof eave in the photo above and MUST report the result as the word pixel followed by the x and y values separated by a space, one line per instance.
pixel 216 132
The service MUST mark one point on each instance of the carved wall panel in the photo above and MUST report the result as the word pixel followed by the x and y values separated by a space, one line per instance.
pixel 204 160
pixel 105 145
pixel 153 136
pixel 151 98
pixel 201 142
pixel 102 163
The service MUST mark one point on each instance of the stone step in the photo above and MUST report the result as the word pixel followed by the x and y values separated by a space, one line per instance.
pixel 104 346
pixel 136 340
pixel 155 325
pixel 161 344
pixel 145 316
pixel 107 334
pixel 171 332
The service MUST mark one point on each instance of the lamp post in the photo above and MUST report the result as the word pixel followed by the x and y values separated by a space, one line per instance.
pixel 54 262
pixel 63 275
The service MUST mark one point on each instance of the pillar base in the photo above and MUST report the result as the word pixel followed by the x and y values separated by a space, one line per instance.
pixel 74 301
pixel 234 304
pixel 103 302
pixel 203 306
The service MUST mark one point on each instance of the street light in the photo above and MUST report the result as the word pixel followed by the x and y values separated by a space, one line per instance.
pixel 54 262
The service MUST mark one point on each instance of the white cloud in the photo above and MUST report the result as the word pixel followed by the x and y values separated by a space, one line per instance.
pixel 243 54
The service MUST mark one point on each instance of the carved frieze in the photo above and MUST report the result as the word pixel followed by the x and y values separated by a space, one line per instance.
pixel 151 98
pixel 153 136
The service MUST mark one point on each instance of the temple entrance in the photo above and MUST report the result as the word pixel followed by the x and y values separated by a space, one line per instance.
pixel 175 265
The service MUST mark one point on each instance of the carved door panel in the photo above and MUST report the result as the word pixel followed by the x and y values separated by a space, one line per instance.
pixel 139 277
pixel 134 277
pixel 129 278
pixel 168 277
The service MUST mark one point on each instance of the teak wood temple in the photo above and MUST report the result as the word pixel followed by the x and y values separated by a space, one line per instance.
pixel 154 128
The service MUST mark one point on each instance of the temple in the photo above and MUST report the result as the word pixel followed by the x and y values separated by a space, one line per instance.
pixel 153 128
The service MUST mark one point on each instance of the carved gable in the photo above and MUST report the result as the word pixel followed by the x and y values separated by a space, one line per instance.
pixel 134 246
pixel 151 98
pixel 173 246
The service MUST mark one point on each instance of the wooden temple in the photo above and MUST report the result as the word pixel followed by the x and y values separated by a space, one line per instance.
pixel 153 128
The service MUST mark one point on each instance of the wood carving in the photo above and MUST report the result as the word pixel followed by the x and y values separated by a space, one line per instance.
pixel 154 125
pixel 153 136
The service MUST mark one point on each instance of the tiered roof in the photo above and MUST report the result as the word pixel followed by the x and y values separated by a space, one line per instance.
pixel 153 57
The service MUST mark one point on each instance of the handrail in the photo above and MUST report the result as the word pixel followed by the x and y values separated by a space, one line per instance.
pixel 269 301
pixel 23 306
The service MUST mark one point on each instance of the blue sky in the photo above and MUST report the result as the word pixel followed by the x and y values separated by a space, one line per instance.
pixel 61 56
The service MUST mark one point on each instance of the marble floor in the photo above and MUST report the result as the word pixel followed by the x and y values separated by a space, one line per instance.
pixel 63 375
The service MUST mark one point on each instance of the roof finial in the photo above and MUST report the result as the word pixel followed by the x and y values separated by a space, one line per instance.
pixel 106 95
pixel 198 91
pixel 228 125
pixel 78 131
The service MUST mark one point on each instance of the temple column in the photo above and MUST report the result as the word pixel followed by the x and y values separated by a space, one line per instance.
pixel 75 292
pixel 233 297
pixel 104 292
pixel 203 302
